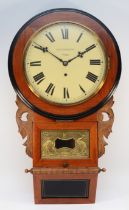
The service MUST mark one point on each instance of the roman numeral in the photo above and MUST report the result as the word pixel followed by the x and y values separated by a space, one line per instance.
pixel 35 63
pixel 65 33
pixel 50 37
pixel 39 77
pixel 79 37
pixel 92 77
pixel 95 62
pixel 82 89
pixel 50 89
pixel 91 47
pixel 66 93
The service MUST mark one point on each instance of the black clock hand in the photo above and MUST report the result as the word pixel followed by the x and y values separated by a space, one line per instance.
pixel 87 50
pixel 80 54
pixel 55 56
pixel 45 49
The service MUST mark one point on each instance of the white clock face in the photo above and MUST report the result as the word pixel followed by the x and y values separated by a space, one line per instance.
pixel 65 63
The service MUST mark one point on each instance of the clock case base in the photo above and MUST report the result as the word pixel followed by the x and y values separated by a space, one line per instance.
pixel 65 186
pixel 83 172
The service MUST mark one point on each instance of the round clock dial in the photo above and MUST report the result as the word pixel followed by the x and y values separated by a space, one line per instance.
pixel 65 63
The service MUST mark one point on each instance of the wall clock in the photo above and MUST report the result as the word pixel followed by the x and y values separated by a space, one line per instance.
pixel 64 65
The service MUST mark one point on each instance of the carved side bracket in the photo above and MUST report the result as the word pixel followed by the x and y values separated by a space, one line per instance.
pixel 104 125
pixel 25 125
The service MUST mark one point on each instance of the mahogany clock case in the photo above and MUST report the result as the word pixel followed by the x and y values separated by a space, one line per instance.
pixel 64 142
pixel 16 67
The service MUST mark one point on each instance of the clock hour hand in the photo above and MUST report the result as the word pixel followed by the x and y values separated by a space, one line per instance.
pixel 45 49
pixel 59 59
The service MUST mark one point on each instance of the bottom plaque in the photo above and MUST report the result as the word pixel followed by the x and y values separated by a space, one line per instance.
pixel 65 188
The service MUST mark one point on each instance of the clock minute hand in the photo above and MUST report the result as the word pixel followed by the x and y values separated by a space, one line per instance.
pixel 73 58
pixel 80 54
pixel 87 50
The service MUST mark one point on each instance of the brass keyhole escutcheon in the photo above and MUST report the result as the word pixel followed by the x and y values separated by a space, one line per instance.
pixel 65 164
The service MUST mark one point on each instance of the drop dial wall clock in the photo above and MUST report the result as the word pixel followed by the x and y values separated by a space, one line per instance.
pixel 64 65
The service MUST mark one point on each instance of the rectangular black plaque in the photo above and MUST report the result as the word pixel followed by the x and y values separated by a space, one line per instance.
pixel 65 188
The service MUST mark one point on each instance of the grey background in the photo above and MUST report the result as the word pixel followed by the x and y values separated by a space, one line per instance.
pixel 16 187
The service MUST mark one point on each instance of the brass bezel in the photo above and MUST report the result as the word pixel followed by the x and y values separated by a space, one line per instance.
pixel 105 55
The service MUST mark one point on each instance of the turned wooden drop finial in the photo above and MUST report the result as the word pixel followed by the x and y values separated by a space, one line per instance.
pixel 102 170
pixel 29 170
